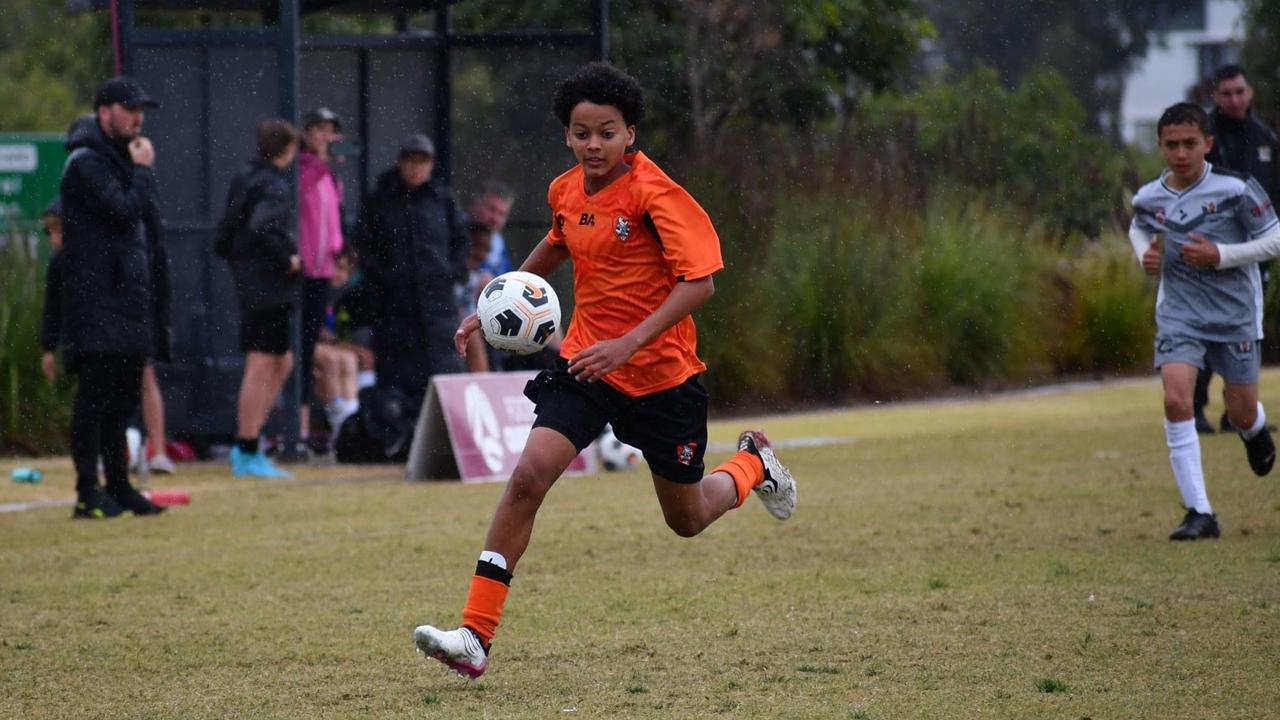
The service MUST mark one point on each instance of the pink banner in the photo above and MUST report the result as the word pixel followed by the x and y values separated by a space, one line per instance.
pixel 488 420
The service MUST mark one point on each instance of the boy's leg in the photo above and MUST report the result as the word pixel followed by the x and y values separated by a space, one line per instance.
pixel 1184 451
pixel 689 508
pixel 1238 364
pixel 465 650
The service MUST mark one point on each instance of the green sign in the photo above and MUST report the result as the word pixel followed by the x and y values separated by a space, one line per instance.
pixel 30 170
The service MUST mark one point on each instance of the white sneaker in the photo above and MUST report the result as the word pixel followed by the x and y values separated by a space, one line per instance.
pixel 161 464
pixel 460 649
pixel 778 489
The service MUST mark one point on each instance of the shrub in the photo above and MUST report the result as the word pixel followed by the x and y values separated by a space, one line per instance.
pixel 1106 320
pixel 982 278
pixel 34 413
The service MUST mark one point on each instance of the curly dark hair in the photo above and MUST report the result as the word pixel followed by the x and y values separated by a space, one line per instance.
pixel 602 84
pixel 1184 113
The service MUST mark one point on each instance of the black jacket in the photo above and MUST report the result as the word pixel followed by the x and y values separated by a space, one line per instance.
pixel 1247 146
pixel 256 235
pixel 109 283
pixel 413 247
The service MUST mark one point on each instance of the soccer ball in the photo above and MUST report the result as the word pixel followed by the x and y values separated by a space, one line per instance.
pixel 615 454
pixel 519 312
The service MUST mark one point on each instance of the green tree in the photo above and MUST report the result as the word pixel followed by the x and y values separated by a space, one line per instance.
pixel 712 65
pixel 1092 45
pixel 50 63
pixel 1261 56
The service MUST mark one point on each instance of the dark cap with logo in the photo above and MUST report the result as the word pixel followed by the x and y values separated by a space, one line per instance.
pixel 321 115
pixel 124 90
pixel 418 144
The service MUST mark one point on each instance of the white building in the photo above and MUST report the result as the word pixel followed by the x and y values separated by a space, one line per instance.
pixel 1186 48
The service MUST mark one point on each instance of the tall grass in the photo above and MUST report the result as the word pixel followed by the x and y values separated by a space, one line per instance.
pixel 858 298
pixel 34 413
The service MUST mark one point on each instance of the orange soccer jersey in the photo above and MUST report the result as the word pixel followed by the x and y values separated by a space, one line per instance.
pixel 631 243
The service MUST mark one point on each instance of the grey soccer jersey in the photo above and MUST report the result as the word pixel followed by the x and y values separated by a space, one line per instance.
pixel 1219 305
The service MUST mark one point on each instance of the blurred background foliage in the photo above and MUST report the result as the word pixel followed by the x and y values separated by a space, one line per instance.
pixel 911 194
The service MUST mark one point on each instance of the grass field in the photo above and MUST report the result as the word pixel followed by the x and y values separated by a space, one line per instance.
pixel 998 558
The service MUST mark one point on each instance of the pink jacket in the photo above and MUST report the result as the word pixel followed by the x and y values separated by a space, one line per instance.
pixel 319 215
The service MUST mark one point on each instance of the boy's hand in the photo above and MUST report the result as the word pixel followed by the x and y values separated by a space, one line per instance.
pixel 1199 252
pixel 49 365
pixel 469 324
pixel 602 358
pixel 1151 258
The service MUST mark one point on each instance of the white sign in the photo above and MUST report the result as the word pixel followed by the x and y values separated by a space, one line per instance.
pixel 18 158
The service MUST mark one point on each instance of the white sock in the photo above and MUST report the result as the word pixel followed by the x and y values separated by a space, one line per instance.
pixel 1258 424
pixel 493 558
pixel 366 378
pixel 1184 457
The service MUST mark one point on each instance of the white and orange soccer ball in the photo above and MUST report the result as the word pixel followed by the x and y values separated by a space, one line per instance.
pixel 519 312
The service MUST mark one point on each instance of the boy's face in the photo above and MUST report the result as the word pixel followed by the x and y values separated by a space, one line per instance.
pixel 1184 147
pixel 599 136
pixel 53 228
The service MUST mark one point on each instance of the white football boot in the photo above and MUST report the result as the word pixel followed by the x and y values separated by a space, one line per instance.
pixel 460 649
pixel 778 489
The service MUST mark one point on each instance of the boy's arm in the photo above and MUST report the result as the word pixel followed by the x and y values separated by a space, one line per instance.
pixel 544 258
pixel 1140 240
pixel 606 356
pixel 1260 249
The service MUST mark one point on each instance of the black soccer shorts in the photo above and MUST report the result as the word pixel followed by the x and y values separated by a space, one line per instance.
pixel 669 426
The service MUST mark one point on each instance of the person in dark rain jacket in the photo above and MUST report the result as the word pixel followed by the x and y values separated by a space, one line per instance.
pixel 109 303
pixel 413 242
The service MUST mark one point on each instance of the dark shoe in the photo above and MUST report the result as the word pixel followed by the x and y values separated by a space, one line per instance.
pixel 94 504
pixel 1262 452
pixel 1203 426
pixel 1195 526
pixel 134 501
pixel 1225 424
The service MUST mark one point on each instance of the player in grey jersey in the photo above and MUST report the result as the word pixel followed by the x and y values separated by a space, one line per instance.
pixel 1216 225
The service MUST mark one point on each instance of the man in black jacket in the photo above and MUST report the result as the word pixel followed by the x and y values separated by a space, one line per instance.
pixel 108 303
pixel 412 239
pixel 1243 143
pixel 256 235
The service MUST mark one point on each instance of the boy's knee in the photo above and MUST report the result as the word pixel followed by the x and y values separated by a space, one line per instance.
pixel 529 480
pixel 684 525
pixel 1177 409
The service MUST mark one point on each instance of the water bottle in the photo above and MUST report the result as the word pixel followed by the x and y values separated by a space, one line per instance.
pixel 30 476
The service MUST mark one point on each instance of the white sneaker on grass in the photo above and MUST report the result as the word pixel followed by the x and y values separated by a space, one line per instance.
pixel 160 463
pixel 460 649
pixel 778 489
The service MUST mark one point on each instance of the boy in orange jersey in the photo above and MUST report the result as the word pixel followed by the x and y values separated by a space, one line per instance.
pixel 643 255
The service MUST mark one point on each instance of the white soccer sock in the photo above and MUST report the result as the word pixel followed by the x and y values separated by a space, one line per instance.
pixel 1184 457
pixel 1258 424
pixel 366 378
pixel 493 558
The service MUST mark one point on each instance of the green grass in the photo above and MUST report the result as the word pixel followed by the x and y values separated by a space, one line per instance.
pixel 999 558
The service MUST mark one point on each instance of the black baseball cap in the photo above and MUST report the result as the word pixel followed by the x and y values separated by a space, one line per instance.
pixel 419 144
pixel 319 115
pixel 124 90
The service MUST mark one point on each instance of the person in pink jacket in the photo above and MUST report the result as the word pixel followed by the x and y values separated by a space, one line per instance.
pixel 319 236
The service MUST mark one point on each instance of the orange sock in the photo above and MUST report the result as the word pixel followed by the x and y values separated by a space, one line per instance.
pixel 488 592
pixel 746 470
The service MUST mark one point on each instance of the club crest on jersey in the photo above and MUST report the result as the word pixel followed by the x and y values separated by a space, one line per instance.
pixel 1210 208
pixel 684 453
pixel 1160 218
pixel 622 228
